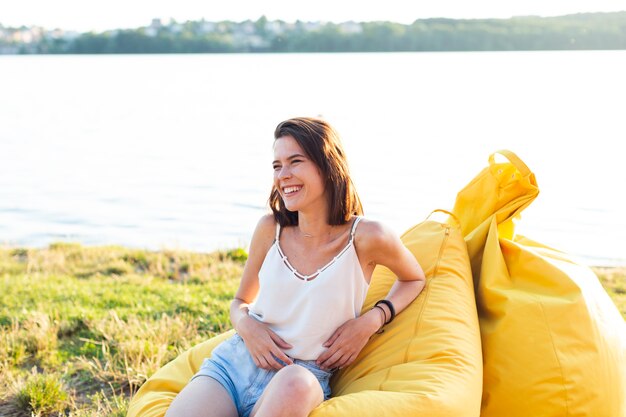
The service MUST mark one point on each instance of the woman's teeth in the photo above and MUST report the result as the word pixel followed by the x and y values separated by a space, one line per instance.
pixel 291 190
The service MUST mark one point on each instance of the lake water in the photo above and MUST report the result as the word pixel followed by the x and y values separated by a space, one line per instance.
pixel 174 151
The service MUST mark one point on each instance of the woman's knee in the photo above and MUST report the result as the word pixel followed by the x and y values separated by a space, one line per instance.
pixel 297 382
pixel 294 391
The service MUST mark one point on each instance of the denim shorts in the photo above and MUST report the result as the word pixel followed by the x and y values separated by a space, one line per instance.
pixel 232 366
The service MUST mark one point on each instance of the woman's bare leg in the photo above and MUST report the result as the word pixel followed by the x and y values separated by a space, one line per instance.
pixel 202 397
pixel 294 391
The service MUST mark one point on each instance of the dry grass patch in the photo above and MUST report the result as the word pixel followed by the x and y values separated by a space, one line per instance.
pixel 132 350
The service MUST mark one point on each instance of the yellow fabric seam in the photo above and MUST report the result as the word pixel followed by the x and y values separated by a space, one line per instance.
pixel 556 356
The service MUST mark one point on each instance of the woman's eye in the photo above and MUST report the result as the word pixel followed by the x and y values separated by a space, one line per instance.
pixel 276 167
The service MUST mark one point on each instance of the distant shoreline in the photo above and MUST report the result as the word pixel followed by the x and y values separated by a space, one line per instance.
pixel 307 53
pixel 583 31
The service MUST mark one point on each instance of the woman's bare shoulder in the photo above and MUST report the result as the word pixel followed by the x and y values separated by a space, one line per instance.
pixel 264 233
pixel 371 236
pixel 381 245
pixel 372 232
pixel 266 226
pixel 266 223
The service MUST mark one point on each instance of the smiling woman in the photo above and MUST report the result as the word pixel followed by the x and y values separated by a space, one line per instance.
pixel 297 313
pixel 297 181
pixel 325 167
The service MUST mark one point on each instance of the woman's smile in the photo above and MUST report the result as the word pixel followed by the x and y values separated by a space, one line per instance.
pixel 292 190
pixel 296 177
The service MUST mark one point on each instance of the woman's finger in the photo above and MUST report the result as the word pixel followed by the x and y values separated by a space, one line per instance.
pixel 276 364
pixel 266 363
pixel 325 355
pixel 336 345
pixel 341 363
pixel 350 359
pixel 279 341
pixel 332 339
pixel 330 362
pixel 282 356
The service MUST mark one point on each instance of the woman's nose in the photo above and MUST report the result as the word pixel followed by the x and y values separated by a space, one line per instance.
pixel 284 172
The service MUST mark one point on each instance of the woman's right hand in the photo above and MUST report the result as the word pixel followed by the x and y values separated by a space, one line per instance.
pixel 263 344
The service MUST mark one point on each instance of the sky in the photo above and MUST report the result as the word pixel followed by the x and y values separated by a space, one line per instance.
pixel 84 15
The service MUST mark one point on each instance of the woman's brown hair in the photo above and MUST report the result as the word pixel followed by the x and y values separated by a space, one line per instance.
pixel 322 145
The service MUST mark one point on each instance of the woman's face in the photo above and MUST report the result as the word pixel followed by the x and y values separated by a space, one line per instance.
pixel 296 177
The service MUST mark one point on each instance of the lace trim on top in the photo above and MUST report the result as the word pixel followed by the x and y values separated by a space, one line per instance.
pixel 319 271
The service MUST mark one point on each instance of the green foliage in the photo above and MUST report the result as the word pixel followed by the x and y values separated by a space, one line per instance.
pixel 65 246
pixel 20 254
pixel 237 255
pixel 571 32
pixel 43 395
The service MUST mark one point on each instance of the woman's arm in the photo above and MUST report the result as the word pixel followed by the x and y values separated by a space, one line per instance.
pixel 378 245
pixel 384 247
pixel 262 343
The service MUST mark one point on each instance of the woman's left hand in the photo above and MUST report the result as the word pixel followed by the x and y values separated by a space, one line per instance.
pixel 348 340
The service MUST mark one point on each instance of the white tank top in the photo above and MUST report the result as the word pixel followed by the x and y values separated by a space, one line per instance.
pixel 305 310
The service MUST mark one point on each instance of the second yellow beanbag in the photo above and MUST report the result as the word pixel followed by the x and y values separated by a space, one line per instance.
pixel 554 344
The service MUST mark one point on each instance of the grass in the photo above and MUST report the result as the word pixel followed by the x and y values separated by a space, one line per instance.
pixel 81 328
pixel 42 395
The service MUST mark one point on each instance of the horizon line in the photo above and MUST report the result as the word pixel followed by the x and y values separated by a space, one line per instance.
pixel 170 20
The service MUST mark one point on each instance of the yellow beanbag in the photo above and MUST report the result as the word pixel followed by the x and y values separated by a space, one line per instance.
pixel 427 362
pixel 554 344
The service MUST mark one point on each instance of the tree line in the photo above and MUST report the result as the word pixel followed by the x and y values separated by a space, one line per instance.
pixel 571 32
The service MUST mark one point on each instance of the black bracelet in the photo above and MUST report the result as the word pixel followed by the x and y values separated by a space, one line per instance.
pixel 391 309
